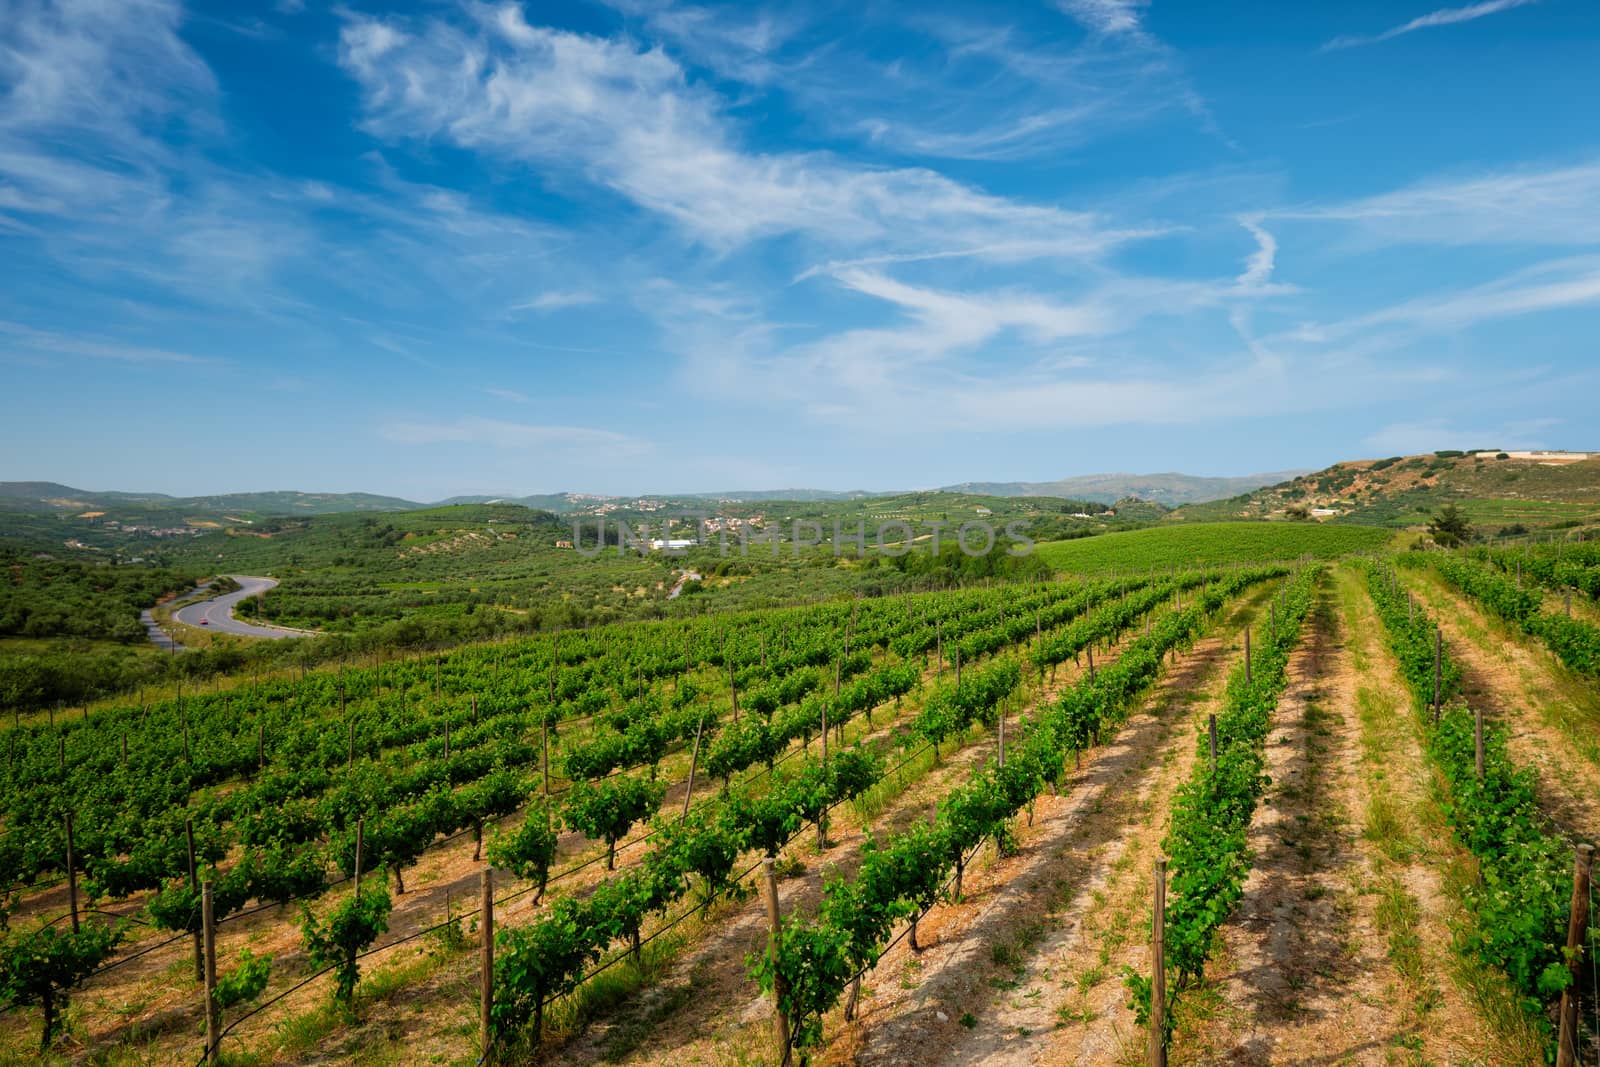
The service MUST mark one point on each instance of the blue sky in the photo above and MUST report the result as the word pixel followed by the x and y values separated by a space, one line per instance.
pixel 625 246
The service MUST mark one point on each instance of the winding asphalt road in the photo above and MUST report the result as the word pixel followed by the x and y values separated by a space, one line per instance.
pixel 217 612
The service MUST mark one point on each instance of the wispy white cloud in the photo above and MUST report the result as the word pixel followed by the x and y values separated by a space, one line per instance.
pixel 101 65
pixel 506 394
pixel 16 336
pixel 1040 94
pixel 884 382
pixel 1108 17
pixel 1547 287
pixel 1258 268
pixel 1553 205
pixel 1555 285
pixel 633 121
pixel 511 436
pixel 1011 359
pixel 555 299
pixel 1426 435
pixel 737 42
pixel 1445 16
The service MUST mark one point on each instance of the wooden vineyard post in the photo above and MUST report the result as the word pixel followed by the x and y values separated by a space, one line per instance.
pixel 194 883
pixel 486 973
pixel 1438 670
pixel 852 999
pixel 958 668
pixel 1411 609
pixel 1577 927
pixel 1158 969
pixel 911 934
pixel 938 638
pixel 72 874
pixel 361 833
pixel 780 1021
pixel 208 932
pixel 822 816
pixel 1211 729
pixel 1477 740
pixel 1090 649
pixel 1002 733
pixel 694 762
pixel 544 734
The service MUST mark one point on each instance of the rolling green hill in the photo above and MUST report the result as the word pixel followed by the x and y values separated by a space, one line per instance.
pixel 46 497
pixel 1498 494
pixel 1208 544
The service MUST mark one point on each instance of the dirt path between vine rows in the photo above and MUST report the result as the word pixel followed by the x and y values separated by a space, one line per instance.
pixel 1083 970
pixel 977 991
pixel 1300 972
pixel 1552 723
pixel 707 1009
pixel 996 954
pixel 1410 871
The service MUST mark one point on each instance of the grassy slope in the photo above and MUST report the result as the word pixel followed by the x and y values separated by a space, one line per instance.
pixel 1403 492
pixel 1208 543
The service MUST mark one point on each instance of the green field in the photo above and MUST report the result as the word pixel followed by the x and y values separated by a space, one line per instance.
pixel 1207 544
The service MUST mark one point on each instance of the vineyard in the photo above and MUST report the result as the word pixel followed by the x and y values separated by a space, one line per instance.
pixel 1113 816
pixel 1210 544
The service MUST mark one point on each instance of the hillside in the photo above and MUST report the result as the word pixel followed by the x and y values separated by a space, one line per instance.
pixel 54 498
pixel 1211 544
pixel 1171 489
pixel 1521 490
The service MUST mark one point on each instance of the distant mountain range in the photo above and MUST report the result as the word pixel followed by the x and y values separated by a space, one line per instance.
pixel 54 498
pixel 1500 491
pixel 1170 489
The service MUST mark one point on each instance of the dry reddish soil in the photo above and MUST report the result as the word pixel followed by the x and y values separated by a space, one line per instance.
pixel 985 988
pixel 1549 720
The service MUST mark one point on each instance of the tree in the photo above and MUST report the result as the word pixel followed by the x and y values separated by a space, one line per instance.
pixel 1450 527
pixel 40 967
